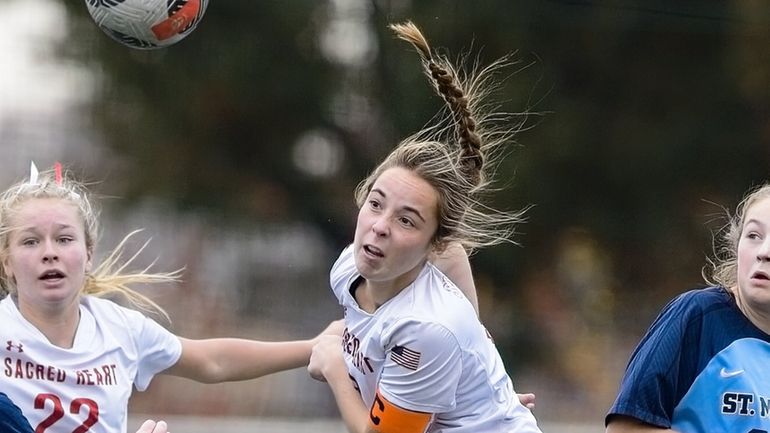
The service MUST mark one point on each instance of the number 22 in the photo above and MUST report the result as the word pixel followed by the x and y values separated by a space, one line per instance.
pixel 58 412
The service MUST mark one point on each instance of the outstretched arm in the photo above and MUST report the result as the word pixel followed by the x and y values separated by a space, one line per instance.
pixel 231 359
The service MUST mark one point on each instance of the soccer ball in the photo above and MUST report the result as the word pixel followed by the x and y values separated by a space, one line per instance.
pixel 147 24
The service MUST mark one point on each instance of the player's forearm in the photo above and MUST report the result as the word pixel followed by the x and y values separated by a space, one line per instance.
pixel 231 359
pixel 352 409
pixel 251 359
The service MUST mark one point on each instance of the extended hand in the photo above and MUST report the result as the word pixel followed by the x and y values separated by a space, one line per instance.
pixel 326 358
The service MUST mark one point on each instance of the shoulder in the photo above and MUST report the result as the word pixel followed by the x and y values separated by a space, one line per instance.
pixel 699 302
pixel 705 298
pixel 122 320
pixel 688 330
pixel 108 309
pixel 344 263
pixel 701 306
pixel 343 271
pixel 425 330
pixel 6 305
pixel 432 306
pixel 691 314
pixel 437 297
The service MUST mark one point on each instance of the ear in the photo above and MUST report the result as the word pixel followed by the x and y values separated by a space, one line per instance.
pixel 7 269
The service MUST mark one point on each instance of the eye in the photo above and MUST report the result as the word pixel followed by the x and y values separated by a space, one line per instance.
pixel 65 239
pixel 753 235
pixel 406 221
pixel 374 204
pixel 28 242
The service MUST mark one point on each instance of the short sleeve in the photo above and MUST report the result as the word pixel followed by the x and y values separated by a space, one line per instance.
pixel 342 271
pixel 422 369
pixel 661 367
pixel 158 350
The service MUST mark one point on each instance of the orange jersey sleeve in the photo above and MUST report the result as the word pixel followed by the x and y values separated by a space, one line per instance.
pixel 386 417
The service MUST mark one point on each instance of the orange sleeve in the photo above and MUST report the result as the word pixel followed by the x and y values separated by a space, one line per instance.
pixel 386 417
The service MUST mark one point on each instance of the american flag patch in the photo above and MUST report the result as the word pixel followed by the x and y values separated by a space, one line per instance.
pixel 405 357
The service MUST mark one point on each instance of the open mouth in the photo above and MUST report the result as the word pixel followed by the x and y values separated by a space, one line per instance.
pixel 760 276
pixel 373 251
pixel 52 275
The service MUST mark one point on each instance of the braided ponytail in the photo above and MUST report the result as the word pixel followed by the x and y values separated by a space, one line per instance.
pixel 457 155
pixel 450 88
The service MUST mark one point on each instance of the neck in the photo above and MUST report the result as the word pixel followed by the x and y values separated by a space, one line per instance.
pixel 373 295
pixel 376 293
pixel 59 325
pixel 759 318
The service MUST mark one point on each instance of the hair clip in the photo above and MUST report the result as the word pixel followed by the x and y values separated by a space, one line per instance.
pixel 57 172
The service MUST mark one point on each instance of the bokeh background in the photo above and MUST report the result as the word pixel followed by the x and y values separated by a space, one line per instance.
pixel 238 148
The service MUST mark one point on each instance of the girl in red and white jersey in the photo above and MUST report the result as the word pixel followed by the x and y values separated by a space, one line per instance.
pixel 70 358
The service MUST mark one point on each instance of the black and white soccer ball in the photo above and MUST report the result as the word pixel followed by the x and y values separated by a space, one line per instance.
pixel 147 24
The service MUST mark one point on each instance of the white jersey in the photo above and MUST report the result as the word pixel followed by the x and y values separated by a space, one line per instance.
pixel 85 388
pixel 426 350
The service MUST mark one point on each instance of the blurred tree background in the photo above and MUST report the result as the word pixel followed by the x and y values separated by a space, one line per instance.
pixel 239 147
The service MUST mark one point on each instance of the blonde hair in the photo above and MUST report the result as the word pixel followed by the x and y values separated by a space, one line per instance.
pixel 723 268
pixel 109 279
pixel 456 156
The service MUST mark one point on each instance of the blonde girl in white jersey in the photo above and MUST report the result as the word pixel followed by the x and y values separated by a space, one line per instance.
pixel 414 355
pixel 70 358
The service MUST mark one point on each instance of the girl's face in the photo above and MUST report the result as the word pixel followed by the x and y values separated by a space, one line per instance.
pixel 395 227
pixel 754 257
pixel 47 253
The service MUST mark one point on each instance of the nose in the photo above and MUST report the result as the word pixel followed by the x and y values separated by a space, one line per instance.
pixel 763 254
pixel 50 253
pixel 381 227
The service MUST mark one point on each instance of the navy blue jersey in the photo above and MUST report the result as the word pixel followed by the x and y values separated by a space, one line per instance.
pixel 701 367
pixel 11 419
